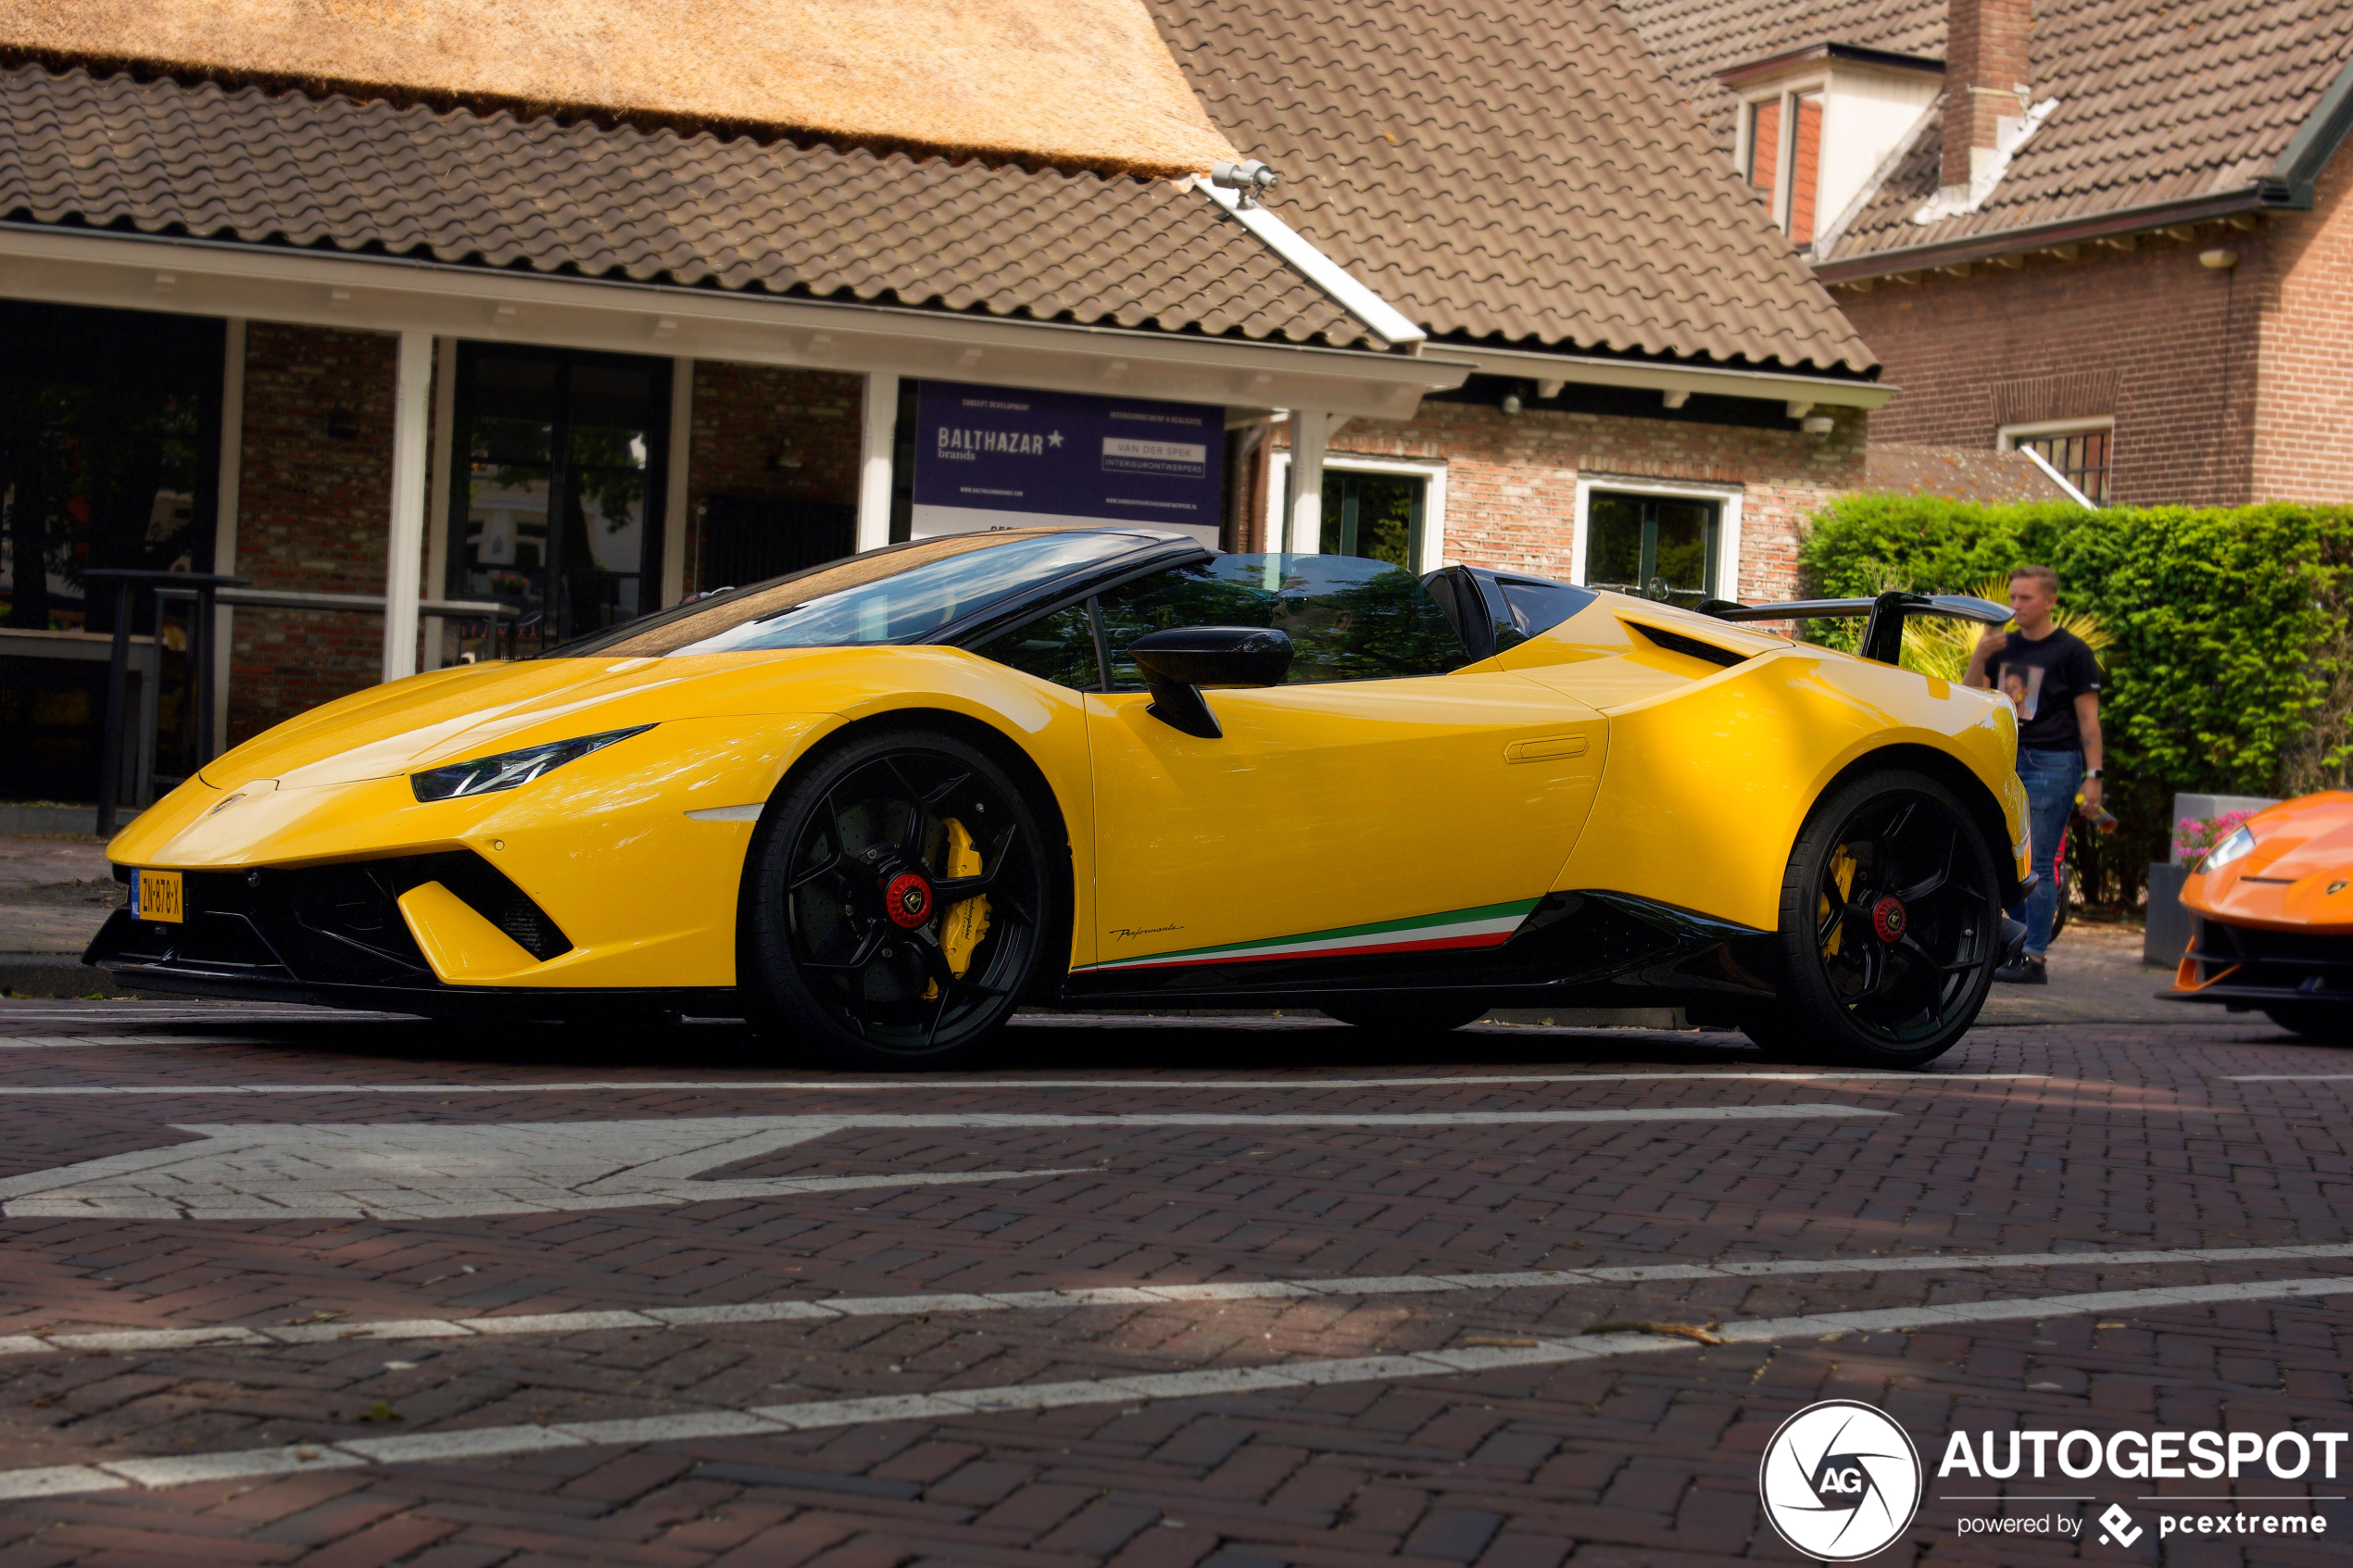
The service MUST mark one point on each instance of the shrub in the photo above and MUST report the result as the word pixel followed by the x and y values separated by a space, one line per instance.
pixel 2232 671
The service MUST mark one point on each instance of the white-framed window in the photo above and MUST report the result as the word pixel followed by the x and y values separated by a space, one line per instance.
pixel 1388 508
pixel 1673 539
pixel 2082 451
pixel 1781 153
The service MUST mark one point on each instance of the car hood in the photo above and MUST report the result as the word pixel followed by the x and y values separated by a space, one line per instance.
pixel 2301 838
pixel 477 709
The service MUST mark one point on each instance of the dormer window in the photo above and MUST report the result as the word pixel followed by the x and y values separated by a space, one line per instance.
pixel 1785 158
pixel 1815 121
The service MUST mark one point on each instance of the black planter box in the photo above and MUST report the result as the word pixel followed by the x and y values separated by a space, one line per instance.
pixel 2168 923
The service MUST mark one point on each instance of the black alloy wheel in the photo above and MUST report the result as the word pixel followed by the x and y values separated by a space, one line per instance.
pixel 900 904
pixel 1890 927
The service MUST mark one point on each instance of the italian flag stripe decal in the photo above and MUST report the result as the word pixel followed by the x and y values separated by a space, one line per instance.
pixel 1490 925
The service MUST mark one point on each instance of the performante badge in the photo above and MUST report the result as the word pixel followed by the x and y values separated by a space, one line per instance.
pixel 1887 919
pixel 908 898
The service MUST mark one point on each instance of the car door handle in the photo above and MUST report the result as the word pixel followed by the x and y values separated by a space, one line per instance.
pixel 1546 749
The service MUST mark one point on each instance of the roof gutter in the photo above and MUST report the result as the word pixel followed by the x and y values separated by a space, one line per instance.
pixel 1383 319
pixel 2315 143
pixel 2041 236
pixel 2288 188
pixel 1771 386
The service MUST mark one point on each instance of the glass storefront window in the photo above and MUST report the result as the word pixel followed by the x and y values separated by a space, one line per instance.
pixel 556 506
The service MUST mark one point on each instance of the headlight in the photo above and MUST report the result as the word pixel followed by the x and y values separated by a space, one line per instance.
pixel 2233 847
pixel 486 776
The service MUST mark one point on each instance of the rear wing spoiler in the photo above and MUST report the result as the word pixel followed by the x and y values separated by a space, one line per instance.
pixel 1883 632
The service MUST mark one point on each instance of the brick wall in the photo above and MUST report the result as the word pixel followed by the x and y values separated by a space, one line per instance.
pixel 312 514
pixel 2304 408
pixel 1511 480
pixel 746 414
pixel 2164 344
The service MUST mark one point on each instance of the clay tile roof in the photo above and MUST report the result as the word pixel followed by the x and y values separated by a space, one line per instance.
pixel 1958 474
pixel 1070 83
pixel 2158 101
pixel 1512 171
pixel 331 173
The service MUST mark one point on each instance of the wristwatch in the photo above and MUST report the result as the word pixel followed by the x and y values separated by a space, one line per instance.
pixel 2094 774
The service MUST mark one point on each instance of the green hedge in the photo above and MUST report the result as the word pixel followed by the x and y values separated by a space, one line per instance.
pixel 2233 669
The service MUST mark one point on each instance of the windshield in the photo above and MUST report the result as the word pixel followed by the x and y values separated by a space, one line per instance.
pixel 882 596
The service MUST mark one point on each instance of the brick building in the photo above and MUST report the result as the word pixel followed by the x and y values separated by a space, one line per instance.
pixel 1660 391
pixel 423 372
pixel 459 357
pixel 2114 233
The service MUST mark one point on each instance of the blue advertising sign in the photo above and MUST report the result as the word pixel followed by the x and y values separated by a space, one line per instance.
pixel 993 456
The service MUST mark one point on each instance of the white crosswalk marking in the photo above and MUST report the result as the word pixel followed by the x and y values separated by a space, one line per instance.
pixel 404 1170
pixel 959 1404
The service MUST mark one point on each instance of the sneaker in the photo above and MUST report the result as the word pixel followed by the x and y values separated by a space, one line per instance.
pixel 2026 972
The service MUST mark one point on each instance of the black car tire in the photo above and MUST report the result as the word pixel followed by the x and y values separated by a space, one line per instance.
pixel 1406 1019
pixel 828 972
pixel 1862 985
pixel 2329 1022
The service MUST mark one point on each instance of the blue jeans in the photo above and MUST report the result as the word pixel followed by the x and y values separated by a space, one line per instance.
pixel 2051 779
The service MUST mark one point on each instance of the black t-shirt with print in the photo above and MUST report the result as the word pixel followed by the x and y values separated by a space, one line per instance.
pixel 2043 679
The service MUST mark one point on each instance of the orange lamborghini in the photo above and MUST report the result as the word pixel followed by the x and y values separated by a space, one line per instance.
pixel 2271 918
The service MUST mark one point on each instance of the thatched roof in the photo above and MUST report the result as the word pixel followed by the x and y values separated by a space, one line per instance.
pixel 1065 83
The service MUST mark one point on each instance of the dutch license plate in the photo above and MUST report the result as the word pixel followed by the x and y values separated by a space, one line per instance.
pixel 156 895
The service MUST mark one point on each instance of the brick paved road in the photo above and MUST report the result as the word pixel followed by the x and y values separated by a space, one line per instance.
pixel 1331 1313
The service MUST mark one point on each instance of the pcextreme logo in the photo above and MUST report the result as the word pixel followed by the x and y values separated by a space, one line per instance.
pixel 1839 1481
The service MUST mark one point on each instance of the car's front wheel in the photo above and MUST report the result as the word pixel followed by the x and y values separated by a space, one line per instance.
pixel 900 904
pixel 1890 927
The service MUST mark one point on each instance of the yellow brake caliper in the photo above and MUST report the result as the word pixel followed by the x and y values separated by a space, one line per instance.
pixel 1843 872
pixel 967 922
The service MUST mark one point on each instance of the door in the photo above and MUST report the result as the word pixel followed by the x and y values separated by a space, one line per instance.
pixel 1379 802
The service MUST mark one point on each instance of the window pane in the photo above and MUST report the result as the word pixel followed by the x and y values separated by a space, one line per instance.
pixel 1539 606
pixel 1613 541
pixel 1058 647
pixel 1371 515
pixel 1350 619
pixel 1659 547
pixel 2081 456
pixel 1804 168
pixel 1765 149
pixel 1684 530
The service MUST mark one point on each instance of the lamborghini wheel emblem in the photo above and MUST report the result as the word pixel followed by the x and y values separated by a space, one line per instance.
pixel 1887 919
pixel 907 897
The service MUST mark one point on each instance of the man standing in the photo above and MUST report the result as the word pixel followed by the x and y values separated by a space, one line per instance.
pixel 2054 682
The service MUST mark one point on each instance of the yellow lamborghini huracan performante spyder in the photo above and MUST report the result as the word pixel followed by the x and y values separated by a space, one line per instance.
pixel 876 805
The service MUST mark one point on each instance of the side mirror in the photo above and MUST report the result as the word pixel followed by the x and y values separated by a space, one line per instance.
pixel 1176 663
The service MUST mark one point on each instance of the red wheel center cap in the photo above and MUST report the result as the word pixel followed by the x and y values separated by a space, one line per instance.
pixel 1887 918
pixel 907 897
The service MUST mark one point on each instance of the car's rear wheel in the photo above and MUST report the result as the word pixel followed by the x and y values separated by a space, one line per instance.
pixel 900 904
pixel 1890 927
pixel 2330 1022
pixel 1408 1018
